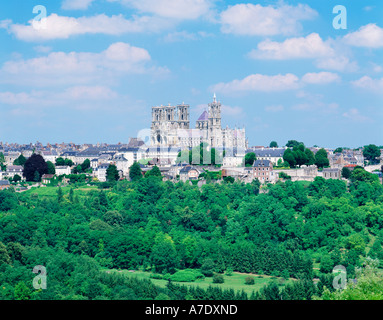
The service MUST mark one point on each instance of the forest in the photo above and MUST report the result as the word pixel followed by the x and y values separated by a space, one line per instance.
pixel 292 230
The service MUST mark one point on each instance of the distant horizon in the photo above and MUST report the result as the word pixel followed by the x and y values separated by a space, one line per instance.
pixel 125 143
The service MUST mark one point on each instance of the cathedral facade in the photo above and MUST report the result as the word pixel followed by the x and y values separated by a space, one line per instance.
pixel 171 127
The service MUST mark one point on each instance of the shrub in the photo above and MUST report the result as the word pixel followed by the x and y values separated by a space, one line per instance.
pixel 156 276
pixel 229 271
pixel 249 280
pixel 208 267
pixel 218 278
pixel 187 275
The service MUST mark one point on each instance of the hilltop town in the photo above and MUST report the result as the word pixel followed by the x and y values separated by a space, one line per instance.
pixel 268 166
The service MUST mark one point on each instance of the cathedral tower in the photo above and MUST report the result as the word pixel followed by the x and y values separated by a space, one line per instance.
pixel 214 123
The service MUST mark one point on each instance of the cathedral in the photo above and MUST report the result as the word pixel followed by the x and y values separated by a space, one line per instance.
pixel 171 127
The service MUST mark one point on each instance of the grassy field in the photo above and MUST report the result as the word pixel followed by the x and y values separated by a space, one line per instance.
pixel 52 191
pixel 236 281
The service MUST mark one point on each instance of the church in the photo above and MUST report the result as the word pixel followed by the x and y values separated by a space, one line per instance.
pixel 171 128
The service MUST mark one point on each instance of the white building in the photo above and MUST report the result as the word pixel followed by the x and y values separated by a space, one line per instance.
pixel 122 165
pixel 14 170
pixel 61 170
pixel 100 172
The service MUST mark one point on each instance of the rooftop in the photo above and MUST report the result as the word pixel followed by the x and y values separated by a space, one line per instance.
pixel 204 116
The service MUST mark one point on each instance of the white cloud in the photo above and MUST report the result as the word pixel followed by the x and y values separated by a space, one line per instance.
pixel 50 98
pixel 320 78
pixel 185 36
pixel 89 93
pixel 368 8
pixel 80 68
pixel 337 63
pixel 327 54
pixel 311 46
pixel 259 82
pixel 376 68
pixel 370 84
pixel 354 115
pixel 276 108
pixel 370 36
pixel 12 98
pixel 43 49
pixel 267 83
pixel 173 9
pixel 76 4
pixel 4 24
pixel 250 19
pixel 61 27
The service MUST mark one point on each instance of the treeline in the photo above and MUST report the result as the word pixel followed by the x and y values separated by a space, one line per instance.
pixel 163 227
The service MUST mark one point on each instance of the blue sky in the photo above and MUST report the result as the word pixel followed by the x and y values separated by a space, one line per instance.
pixel 92 69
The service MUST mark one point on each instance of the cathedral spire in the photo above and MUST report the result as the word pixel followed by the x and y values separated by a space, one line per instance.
pixel 214 98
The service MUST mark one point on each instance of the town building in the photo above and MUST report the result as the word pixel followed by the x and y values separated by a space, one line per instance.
pixel 189 173
pixel 61 170
pixel 4 184
pixel 47 178
pixel 331 173
pixel 14 170
pixel 262 170
pixel 171 127
pixel 275 155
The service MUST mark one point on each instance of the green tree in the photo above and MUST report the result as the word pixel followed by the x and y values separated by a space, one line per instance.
pixel 60 161
pixel 71 194
pixel 85 165
pixel 112 173
pixel 249 280
pixel 289 157
pixel 16 178
pixel 20 161
pixel 371 153
pixel 321 159
pixel 60 195
pixel 68 162
pixel 208 267
pixel 22 292
pixel 218 278
pixel 250 158
pixel 8 200
pixel 300 155
pixel 164 254
pixel 326 264
pixel 154 172
pixel 228 179
pixel 346 173
pixel 338 150
pixel 35 167
pixel 135 172
pixel 293 143
pixel 310 157
pixel 36 177
pixel 51 168
pixel 273 144
pixel 4 256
